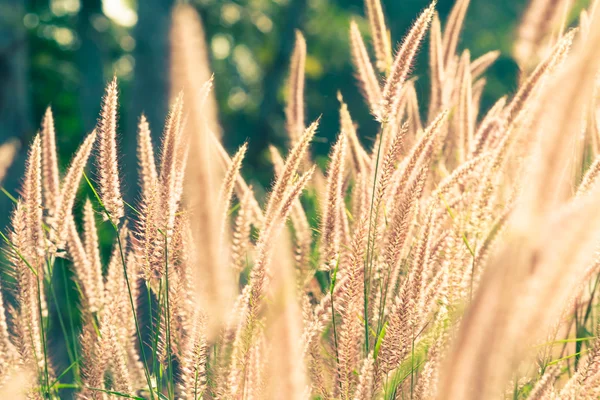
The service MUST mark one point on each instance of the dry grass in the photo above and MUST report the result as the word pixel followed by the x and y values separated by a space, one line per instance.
pixel 458 258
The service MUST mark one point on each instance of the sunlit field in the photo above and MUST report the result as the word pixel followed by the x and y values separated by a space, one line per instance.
pixel 454 255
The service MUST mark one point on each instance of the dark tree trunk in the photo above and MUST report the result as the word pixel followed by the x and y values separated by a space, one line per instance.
pixel 15 117
pixel 150 88
pixel 90 63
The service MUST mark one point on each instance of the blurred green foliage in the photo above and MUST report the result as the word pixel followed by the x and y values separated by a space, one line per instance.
pixel 74 46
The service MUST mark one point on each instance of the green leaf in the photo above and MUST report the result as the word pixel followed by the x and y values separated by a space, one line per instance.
pixel 380 340
pixel 74 363
pixel 118 394
pixel 334 276
pixel 10 196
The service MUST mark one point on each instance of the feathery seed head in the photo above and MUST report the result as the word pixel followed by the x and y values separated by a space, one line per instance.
pixel 334 204
pixel 453 28
pixel 107 161
pixel 369 83
pixel 379 35
pixel 32 201
pixel 402 65
pixel 294 111
pixel 145 153
pixel 69 189
pixel 292 164
pixel 50 177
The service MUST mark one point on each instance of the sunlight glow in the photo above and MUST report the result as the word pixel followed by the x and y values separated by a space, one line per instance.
pixel 120 12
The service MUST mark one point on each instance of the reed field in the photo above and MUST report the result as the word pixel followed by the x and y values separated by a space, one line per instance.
pixel 455 257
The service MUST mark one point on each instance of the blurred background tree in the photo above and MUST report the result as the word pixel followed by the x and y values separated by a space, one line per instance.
pixel 62 52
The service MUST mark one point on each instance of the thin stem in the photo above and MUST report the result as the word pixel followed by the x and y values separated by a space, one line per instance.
pixel 70 352
pixel 369 256
pixel 169 365
pixel 60 320
pixel 43 333
pixel 57 380
pixel 383 295
pixel 135 318
pixel 70 314
pixel 412 364
pixel 48 279
pixel 151 325
pixel 335 336
pixel 156 366
pixel 18 253
pixel 588 309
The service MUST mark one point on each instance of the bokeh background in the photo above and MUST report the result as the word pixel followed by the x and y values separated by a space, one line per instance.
pixel 63 52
